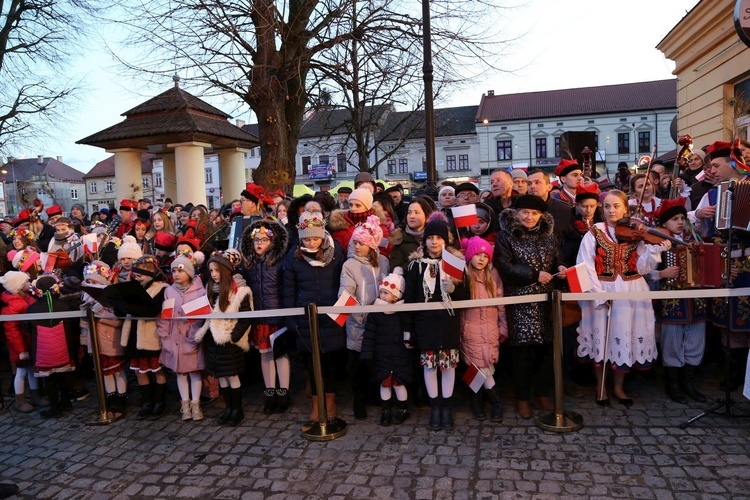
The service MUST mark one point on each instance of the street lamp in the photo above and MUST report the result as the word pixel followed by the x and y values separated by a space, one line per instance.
pixel 486 122
pixel 11 160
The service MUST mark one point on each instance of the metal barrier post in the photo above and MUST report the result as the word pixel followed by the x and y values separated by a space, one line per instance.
pixel 324 429
pixel 558 421
pixel 102 416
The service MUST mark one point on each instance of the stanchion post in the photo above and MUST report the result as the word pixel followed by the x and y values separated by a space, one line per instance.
pixel 558 421
pixel 324 429
pixel 102 416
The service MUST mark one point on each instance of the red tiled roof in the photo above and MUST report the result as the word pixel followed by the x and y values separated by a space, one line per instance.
pixel 106 167
pixel 660 94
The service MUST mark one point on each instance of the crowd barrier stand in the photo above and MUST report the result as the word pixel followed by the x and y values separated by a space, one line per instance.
pixel 327 429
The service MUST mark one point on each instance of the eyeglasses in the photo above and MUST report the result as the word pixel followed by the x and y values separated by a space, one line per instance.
pixel 262 241
pixel 467 196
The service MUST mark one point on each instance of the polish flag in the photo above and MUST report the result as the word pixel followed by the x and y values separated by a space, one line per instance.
pixel 701 175
pixel 474 377
pixel 91 243
pixel 197 307
pixel 578 278
pixel 453 266
pixel 344 300
pixel 465 216
pixel 167 309
pixel 48 262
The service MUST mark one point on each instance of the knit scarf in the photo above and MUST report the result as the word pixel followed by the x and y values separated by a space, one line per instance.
pixel 182 288
pixel 328 248
pixel 359 218
pixel 418 235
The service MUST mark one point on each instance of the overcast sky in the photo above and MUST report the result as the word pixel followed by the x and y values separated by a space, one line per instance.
pixel 575 43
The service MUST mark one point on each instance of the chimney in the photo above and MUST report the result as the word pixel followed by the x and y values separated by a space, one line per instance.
pixel 40 159
pixel 59 158
pixel 490 93
pixel 239 123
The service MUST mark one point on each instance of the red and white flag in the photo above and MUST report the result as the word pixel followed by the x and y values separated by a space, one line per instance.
pixel 465 216
pixel 197 307
pixel 167 309
pixel 578 278
pixel 701 175
pixel 91 243
pixel 453 266
pixel 474 377
pixel 344 300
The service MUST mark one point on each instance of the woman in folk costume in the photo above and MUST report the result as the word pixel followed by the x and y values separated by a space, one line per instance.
pixel 617 266
pixel 264 245
pixel 225 341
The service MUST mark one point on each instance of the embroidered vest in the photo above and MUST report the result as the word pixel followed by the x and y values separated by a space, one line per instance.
pixel 615 259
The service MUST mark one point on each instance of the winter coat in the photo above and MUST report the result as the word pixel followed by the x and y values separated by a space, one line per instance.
pixel 19 340
pixel 108 328
pixel 383 342
pixel 306 284
pixel 432 330
pixel 342 227
pixel 225 341
pixel 45 345
pixel 180 352
pixel 404 244
pixel 519 256
pixel 141 335
pixel 483 328
pixel 360 279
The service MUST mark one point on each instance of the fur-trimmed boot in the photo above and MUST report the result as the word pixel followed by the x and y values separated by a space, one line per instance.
pixel 283 401
pixel 401 413
pixel 269 400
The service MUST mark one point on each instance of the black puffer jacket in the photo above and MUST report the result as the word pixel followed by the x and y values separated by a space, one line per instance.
pixel 264 274
pixel 305 284
pixel 225 342
pixel 384 344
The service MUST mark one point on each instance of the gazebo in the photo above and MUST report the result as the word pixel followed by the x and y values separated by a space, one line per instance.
pixel 179 128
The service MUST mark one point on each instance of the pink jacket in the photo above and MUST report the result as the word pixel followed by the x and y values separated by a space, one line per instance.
pixel 18 340
pixel 483 328
pixel 180 352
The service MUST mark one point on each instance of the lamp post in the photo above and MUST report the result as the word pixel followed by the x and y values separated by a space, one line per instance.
pixel 11 160
pixel 428 102
pixel 486 123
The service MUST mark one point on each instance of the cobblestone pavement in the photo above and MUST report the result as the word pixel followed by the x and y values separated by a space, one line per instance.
pixel 636 453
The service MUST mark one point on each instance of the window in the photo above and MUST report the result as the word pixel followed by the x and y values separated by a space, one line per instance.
pixel 157 179
pixel 252 153
pixel 463 162
pixel 323 160
pixel 403 166
pixel 391 166
pixel 306 161
pixel 644 142
pixel 541 148
pixel 623 143
pixel 341 162
pixel 92 187
pixel 504 150
pixel 558 141
pixel 450 162
pixel 108 187
pixel 73 194
pixel 209 176
pixel 144 182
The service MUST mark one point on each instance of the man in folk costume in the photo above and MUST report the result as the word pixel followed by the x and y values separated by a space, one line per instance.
pixel 251 211
pixel 127 212
pixel 571 175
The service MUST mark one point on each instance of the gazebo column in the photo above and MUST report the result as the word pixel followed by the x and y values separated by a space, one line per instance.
pixel 191 172
pixel 232 171
pixel 127 173
pixel 170 177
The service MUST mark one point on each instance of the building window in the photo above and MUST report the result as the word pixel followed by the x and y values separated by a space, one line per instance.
pixel 623 143
pixel 504 150
pixel 341 162
pixel 463 162
pixel 145 183
pixel 450 162
pixel 644 142
pixel 391 166
pixel 306 161
pixel 252 153
pixel 92 187
pixel 108 187
pixel 73 194
pixel 403 166
pixel 209 176
pixel 541 148
pixel 157 179
pixel 558 141
pixel 323 160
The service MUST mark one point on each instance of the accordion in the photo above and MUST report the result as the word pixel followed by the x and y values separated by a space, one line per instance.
pixel 733 205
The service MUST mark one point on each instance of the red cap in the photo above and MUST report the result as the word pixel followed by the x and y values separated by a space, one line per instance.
pixel 566 166
pixel 165 241
pixel 23 216
pixel 253 192
pixel 54 210
pixel 128 204
pixel 670 208
pixel 589 191
pixel 193 243
pixel 719 149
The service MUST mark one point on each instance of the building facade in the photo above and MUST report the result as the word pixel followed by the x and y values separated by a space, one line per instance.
pixel 101 185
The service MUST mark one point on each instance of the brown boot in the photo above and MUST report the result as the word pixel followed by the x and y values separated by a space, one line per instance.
pixel 314 412
pixel 37 399
pixel 523 408
pixel 544 403
pixel 331 409
pixel 22 405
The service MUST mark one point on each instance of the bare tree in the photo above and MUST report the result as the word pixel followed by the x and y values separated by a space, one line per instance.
pixel 37 39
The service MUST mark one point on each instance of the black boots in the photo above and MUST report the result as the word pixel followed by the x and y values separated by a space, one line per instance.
pixel 435 414
pixel 477 407
pixel 269 400
pixel 688 384
pixel 160 404
pixel 359 407
pixel 226 396
pixel 147 402
pixel 673 385
pixel 237 414
pixel 283 401
pixel 401 413
pixel 446 419
pixel 496 412
pixel 386 416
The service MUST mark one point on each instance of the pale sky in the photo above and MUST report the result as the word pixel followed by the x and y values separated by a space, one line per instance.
pixel 566 44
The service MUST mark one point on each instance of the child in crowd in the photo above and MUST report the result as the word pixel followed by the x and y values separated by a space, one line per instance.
pixel 179 350
pixel 642 186
pixel 129 252
pixel 360 275
pixel 225 341
pixel 383 346
pixel 483 329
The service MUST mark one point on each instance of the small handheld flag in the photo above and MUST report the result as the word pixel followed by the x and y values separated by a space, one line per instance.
pixel 453 266
pixel 578 278
pixel 465 216
pixel 474 377
pixel 344 300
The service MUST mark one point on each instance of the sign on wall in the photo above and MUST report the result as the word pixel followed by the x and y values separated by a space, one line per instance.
pixel 742 20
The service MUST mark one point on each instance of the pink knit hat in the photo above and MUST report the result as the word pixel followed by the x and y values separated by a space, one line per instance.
pixel 369 233
pixel 478 245
pixel 24 259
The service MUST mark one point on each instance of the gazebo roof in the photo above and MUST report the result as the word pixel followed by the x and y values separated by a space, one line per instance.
pixel 173 116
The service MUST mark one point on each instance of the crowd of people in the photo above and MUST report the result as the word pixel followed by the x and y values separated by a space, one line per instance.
pixel 144 270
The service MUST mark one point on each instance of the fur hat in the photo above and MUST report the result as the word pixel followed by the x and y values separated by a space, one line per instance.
pixel 362 195
pixel 394 283
pixel 98 272
pixel 311 225
pixel 129 248
pixel 670 208
pixel 531 202
pixel 184 263
pixel 13 281
pixel 24 259
pixel 437 225
pixel 477 245
pixel 369 233
pixel 272 230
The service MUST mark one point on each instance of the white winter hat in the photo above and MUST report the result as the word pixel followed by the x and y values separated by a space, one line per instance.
pixel 129 248
pixel 394 283
pixel 13 281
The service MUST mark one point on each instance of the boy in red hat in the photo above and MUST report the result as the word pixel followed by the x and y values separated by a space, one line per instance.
pixel 571 175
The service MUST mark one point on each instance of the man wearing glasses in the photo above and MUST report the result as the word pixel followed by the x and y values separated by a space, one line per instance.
pixel 249 213
pixel 466 194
